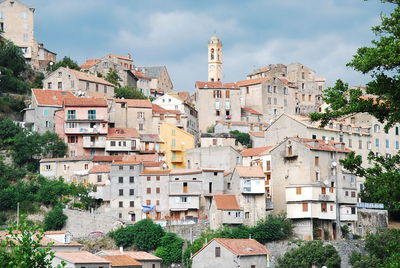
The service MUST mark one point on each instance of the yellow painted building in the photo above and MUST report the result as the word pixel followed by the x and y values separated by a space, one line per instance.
pixel 176 142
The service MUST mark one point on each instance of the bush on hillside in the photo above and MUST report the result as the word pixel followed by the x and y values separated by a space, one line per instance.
pixel 170 249
pixel 272 228
pixel 55 219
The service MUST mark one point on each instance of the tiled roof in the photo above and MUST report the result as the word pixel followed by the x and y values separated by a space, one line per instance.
pixel 216 85
pixel 89 63
pixel 122 261
pixel 107 158
pixel 322 145
pixel 243 247
pixel 160 110
pixel 251 110
pixel 250 172
pixel 100 169
pixel 257 134
pixel 91 78
pixel 120 57
pixel 51 97
pixel 136 103
pixel 122 133
pixel 184 95
pixel 226 173
pixel 141 157
pixel 80 257
pixel 155 172
pixel 138 255
pixel 254 81
pixel 256 151
pixel 85 102
pixel 150 138
pixel 185 171
pixel 63 159
pixel 125 163
pixel 153 163
pixel 151 71
pixel 141 75
pixel 226 202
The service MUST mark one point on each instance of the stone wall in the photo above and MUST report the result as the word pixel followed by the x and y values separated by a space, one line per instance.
pixel 344 248
pixel 188 232
pixel 370 220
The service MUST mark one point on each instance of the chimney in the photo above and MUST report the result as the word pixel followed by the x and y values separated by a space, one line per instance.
pixel 121 249
pixel 129 55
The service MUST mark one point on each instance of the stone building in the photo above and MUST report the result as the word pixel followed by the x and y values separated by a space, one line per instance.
pixel 133 113
pixel 225 210
pixel 17 25
pixel 73 80
pixel 224 157
pixel 161 82
pixel 224 252
pixel 215 59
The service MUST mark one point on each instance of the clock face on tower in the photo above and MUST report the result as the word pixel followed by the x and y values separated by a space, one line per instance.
pixel 212 67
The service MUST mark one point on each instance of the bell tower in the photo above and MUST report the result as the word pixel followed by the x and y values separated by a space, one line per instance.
pixel 215 59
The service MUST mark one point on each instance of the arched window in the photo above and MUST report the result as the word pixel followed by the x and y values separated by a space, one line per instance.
pixel 212 54
pixel 218 54
pixel 377 128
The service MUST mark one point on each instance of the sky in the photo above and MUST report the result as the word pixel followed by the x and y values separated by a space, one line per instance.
pixel 321 34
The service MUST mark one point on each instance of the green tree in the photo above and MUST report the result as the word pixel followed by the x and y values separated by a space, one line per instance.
pixel 273 228
pixel 243 138
pixel 23 248
pixel 144 235
pixel 38 80
pixel 14 69
pixel 8 131
pixel 170 249
pixel 113 77
pixel 380 99
pixel 311 252
pixel 55 219
pixel 383 250
pixel 129 92
pixel 66 62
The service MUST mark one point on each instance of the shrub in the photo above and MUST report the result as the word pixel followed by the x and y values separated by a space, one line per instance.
pixel 55 219
pixel 170 249
pixel 272 228
pixel 312 252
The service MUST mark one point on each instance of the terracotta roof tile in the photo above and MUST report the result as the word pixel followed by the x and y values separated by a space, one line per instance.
pixel 185 171
pixel 153 163
pixel 257 134
pixel 256 151
pixel 226 202
pixel 91 78
pixel 80 257
pixel 150 138
pixel 85 102
pixel 51 97
pixel 65 159
pixel 136 103
pixel 122 133
pixel 107 158
pixel 89 63
pixel 100 169
pixel 243 247
pixel 322 145
pixel 250 172
pixel 122 261
pixel 120 57
pixel 254 81
pixel 141 75
pixel 216 85
pixel 125 163
pixel 141 157
pixel 251 110
pixel 155 172
pixel 138 255
pixel 184 95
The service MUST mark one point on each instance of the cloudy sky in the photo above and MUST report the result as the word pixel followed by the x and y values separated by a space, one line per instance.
pixel 322 34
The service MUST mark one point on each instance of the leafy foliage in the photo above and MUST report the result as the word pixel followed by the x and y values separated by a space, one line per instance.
pixel 65 62
pixel 22 248
pixel 170 249
pixel 272 228
pixel 129 92
pixel 38 80
pixel 55 219
pixel 144 235
pixel 243 138
pixel 113 77
pixel 383 250
pixel 10 104
pixel 312 252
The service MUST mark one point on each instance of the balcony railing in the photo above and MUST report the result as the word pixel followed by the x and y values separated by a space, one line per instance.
pixel 325 197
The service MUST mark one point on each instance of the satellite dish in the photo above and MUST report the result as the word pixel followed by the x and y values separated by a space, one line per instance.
pixel 326 182
pixel 334 164
pixel 108 182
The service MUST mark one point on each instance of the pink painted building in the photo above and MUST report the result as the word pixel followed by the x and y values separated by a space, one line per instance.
pixel 83 125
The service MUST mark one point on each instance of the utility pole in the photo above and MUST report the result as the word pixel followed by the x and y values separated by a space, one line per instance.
pixel 17 215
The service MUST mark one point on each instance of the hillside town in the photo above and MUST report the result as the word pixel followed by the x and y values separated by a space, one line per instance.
pixel 223 154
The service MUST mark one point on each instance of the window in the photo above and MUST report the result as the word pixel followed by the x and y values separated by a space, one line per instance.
pixel 353 210
pixel 350 143
pixel 131 179
pixel 185 187
pixel 360 144
pixel 86 166
pixel 131 167
pixel 247 215
pixel 376 128
pixel 217 252
pixel 121 204
pixel 157 202
pixel 87 85
pixel 121 192
pixel 131 191
pixel 309 97
pixel 158 190
pixel 269 88
pixel 148 202
pixel 323 207
pixel 377 142
pixel 59 85
pixel 268 165
pixel 369 145
pixel 316 160
pixel 387 143
pixel 323 190
pixel 353 194
pixel 98 178
pixel 92 114
pixel 285 91
pixel 317 176
pixel 49 84
pixel 132 204
pixel 71 114
pixel 397 145
pixel 269 100
pixel 397 131
pixel 148 190
pixel 346 193
pixel 158 178
pixel 72 139
pixel 227 94
pixel 140 126
pixel 120 179
pixel 298 190
pixel 105 89
pixel 112 143
pixel 305 207
pixel 140 115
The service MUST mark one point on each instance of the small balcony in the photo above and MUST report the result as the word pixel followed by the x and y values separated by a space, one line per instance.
pixel 325 197
pixel 177 159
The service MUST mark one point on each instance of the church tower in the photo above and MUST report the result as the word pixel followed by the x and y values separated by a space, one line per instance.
pixel 214 59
